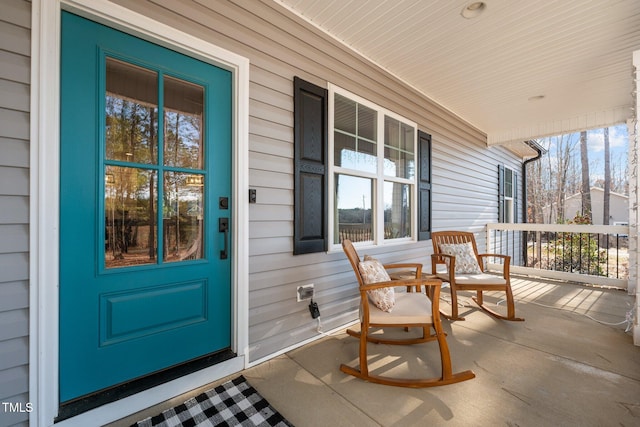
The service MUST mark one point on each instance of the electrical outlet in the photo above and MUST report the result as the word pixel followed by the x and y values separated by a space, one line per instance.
pixel 304 292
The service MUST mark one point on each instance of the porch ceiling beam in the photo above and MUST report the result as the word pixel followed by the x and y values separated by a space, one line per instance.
pixel 594 120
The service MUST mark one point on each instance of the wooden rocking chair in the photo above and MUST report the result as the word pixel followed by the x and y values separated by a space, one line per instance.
pixel 412 309
pixel 467 271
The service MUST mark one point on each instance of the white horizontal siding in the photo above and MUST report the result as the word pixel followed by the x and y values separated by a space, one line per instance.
pixel 14 181
pixel 15 324
pixel 15 38
pixel 14 210
pixel 15 152
pixel 14 67
pixel 13 353
pixel 15 295
pixel 14 266
pixel 14 124
pixel 262 144
pixel 262 229
pixel 15 45
pixel 14 95
pixel 15 238
pixel 17 419
pixel 280 46
pixel 16 12
pixel 15 380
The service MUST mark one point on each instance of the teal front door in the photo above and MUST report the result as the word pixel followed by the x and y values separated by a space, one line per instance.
pixel 145 208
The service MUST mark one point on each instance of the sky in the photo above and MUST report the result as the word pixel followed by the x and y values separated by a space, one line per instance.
pixel 618 139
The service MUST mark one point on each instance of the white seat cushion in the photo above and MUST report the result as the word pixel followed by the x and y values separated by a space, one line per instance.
pixel 410 307
pixel 475 279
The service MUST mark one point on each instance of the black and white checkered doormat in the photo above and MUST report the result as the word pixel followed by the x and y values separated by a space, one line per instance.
pixel 234 403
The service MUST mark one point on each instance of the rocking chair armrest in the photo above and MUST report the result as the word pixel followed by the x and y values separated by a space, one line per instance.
pixel 391 284
pixel 417 266
pixel 505 265
pixel 452 263
pixel 506 257
pixel 413 266
pixel 436 256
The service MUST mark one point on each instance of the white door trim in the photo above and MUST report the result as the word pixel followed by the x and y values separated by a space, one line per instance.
pixel 45 198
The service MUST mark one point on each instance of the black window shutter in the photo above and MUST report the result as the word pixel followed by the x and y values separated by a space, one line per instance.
pixel 424 186
pixel 310 167
pixel 500 193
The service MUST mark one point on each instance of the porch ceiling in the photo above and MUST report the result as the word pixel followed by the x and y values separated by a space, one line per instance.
pixel 488 70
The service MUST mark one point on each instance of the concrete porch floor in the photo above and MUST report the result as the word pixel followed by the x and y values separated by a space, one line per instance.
pixel 561 367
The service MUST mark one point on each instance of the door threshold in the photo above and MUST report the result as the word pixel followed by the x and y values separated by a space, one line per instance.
pixel 94 400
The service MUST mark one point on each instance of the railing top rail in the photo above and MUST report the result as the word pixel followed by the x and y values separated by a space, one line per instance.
pixel 575 228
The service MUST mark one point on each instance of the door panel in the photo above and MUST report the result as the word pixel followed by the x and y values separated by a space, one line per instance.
pixel 145 156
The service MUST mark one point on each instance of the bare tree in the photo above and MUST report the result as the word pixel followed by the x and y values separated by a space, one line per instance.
pixel 551 178
pixel 620 173
pixel 537 192
pixel 584 158
pixel 558 174
pixel 564 149
pixel 607 178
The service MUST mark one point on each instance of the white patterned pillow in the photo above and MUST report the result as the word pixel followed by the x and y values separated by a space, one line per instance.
pixel 466 261
pixel 373 272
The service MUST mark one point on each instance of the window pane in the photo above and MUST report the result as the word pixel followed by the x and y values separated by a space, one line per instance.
pixel 367 122
pixel 398 163
pixel 397 210
pixel 183 142
pixel 354 209
pixel 508 214
pixel 407 138
pixel 183 216
pixel 353 153
pixel 130 217
pixel 398 152
pixel 131 113
pixel 391 132
pixel 354 135
pixel 508 182
pixel 345 114
pixel 344 148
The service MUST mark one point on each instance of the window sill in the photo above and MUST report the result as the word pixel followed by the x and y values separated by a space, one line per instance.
pixel 372 246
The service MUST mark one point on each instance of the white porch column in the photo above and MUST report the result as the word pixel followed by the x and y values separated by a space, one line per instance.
pixel 634 192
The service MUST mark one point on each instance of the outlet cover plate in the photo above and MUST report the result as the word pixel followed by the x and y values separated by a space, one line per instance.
pixel 304 293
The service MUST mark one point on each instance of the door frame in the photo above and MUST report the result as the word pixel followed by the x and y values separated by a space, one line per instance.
pixel 45 201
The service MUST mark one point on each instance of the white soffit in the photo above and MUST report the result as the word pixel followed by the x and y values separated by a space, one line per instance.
pixel 488 70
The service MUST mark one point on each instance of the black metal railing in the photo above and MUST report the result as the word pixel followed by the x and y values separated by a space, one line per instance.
pixel 584 253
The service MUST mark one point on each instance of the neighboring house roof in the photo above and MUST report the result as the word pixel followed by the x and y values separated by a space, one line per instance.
pixel 618 211
pixel 598 189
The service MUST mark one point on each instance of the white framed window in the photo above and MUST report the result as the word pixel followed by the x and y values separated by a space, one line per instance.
pixel 372 172
pixel 509 195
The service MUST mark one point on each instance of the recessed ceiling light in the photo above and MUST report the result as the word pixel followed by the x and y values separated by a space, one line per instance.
pixel 473 9
pixel 536 98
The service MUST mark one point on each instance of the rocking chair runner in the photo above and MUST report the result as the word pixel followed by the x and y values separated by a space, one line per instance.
pixel 447 243
pixel 412 309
